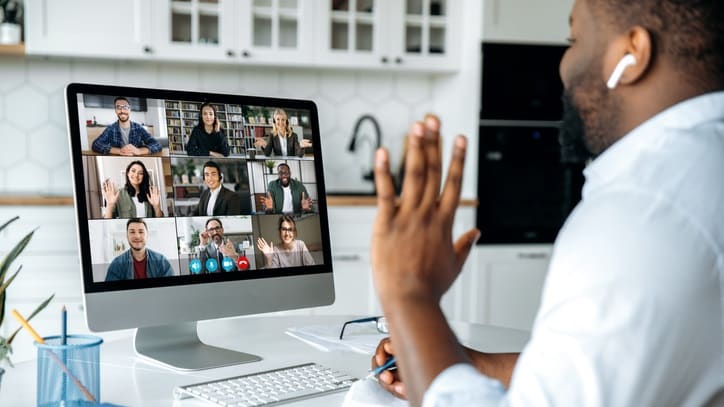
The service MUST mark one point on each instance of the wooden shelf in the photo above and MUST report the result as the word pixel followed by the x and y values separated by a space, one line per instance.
pixel 13 50
pixel 35 200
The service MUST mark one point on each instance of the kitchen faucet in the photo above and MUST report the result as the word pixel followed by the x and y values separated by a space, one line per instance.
pixel 369 176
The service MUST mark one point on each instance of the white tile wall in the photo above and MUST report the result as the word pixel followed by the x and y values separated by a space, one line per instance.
pixel 34 159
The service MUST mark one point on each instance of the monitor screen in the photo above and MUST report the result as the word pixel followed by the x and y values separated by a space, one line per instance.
pixel 196 206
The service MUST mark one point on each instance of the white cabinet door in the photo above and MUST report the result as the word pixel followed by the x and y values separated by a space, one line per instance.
pixel 526 21
pixel 350 33
pixel 350 234
pixel 193 30
pixel 424 35
pixel 270 32
pixel 511 284
pixel 274 32
pixel 393 34
pixel 88 28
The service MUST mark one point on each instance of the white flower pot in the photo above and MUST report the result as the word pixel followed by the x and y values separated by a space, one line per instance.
pixel 9 33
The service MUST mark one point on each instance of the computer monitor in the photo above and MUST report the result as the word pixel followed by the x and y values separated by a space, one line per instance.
pixel 194 206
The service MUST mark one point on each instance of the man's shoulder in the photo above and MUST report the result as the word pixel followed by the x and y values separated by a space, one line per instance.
pixel 152 253
pixel 112 127
pixel 120 258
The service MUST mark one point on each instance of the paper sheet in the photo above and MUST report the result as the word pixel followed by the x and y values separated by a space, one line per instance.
pixel 360 339
pixel 368 393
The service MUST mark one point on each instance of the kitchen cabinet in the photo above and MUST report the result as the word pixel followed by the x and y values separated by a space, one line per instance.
pixel 526 21
pixel 88 28
pixel 414 35
pixel 245 31
pixel 511 278
pixel 399 34
pixel 350 233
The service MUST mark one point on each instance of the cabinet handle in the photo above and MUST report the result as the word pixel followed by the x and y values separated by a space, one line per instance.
pixel 346 257
pixel 398 60
pixel 384 60
pixel 148 49
pixel 230 53
pixel 245 54
pixel 532 255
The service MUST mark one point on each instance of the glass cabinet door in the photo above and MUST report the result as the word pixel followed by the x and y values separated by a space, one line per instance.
pixel 189 29
pixel 195 22
pixel 352 25
pixel 274 29
pixel 350 32
pixel 404 34
pixel 425 27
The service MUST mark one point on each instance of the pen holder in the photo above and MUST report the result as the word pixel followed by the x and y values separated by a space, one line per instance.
pixel 69 374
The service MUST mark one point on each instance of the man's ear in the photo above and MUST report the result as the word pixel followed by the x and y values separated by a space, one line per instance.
pixel 636 42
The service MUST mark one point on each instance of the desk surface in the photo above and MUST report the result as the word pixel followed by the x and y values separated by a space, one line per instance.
pixel 130 381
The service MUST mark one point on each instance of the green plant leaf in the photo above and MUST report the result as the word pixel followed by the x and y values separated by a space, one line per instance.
pixel 2 294
pixel 29 317
pixel 9 280
pixel 14 253
pixel 9 222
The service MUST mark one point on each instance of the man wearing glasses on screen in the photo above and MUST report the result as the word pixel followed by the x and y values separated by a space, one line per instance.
pixel 214 245
pixel 125 137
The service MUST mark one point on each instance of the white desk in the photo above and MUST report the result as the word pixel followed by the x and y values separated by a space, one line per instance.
pixel 130 381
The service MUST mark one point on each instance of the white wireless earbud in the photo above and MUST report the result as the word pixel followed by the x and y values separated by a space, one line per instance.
pixel 625 62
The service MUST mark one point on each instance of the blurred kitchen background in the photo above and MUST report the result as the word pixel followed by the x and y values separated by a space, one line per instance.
pixel 373 66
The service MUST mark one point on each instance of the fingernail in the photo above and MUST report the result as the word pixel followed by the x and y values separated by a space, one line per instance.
pixel 477 237
pixel 432 122
pixel 418 130
pixel 380 159
pixel 461 142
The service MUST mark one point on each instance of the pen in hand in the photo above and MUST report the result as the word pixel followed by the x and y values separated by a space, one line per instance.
pixel 389 365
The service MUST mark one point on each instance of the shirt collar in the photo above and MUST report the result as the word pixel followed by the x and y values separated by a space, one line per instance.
pixel 616 159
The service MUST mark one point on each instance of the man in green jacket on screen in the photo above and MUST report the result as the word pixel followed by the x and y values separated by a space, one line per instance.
pixel 286 195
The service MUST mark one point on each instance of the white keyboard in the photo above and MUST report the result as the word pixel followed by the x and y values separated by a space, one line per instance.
pixel 269 388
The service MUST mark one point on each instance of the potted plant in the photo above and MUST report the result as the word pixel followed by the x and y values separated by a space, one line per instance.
pixel 5 343
pixel 270 166
pixel 11 16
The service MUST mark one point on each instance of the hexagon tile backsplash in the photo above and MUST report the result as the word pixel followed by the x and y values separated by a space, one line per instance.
pixel 34 157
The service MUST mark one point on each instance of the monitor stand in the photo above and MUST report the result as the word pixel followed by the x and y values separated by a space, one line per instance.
pixel 178 346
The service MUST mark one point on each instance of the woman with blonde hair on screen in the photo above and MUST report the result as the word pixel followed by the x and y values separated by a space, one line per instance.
pixel 283 141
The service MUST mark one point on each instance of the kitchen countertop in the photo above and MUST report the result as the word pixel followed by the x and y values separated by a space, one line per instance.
pixel 332 200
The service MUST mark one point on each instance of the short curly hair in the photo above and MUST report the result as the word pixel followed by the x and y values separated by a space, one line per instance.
pixel 690 33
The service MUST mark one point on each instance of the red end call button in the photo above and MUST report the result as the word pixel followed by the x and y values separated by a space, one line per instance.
pixel 242 263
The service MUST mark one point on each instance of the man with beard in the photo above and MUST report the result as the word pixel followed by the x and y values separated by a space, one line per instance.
pixel 286 195
pixel 138 262
pixel 125 137
pixel 215 246
pixel 632 311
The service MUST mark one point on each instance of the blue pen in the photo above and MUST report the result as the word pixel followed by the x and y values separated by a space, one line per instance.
pixel 63 325
pixel 389 365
